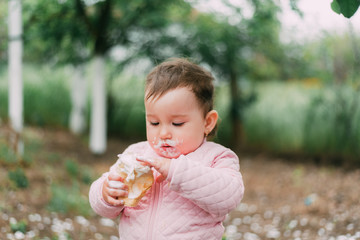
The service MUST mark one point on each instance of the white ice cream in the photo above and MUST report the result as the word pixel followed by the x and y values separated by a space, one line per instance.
pixel 134 193
pixel 132 166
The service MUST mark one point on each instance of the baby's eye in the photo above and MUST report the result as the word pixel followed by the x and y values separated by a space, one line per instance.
pixel 154 123
pixel 178 124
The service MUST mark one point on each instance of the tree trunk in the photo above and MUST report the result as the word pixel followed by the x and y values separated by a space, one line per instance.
pixel 78 98
pixel 15 72
pixel 98 108
pixel 234 114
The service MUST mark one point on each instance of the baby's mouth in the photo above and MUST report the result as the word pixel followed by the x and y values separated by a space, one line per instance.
pixel 165 144
pixel 166 147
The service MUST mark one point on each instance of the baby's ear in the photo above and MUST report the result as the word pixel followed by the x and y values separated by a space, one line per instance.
pixel 210 121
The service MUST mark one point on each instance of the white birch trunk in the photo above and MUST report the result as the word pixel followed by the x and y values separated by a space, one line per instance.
pixel 78 101
pixel 15 71
pixel 98 108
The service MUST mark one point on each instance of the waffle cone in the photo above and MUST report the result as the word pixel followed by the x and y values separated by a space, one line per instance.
pixel 137 187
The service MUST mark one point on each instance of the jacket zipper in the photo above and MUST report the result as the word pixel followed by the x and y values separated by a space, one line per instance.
pixel 153 212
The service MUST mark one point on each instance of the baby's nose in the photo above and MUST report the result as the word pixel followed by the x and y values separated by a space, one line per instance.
pixel 165 133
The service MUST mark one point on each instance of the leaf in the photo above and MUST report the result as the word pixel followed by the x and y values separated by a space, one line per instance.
pixel 348 7
pixel 336 7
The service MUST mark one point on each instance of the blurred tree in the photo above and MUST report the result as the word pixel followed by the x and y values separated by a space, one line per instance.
pixel 51 37
pixel 79 30
pixel 223 47
pixel 235 47
pixel 15 72
pixel 78 99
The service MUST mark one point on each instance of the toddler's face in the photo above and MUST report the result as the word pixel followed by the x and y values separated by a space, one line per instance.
pixel 175 123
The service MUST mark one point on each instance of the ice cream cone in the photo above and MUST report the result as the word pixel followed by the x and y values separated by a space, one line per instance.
pixel 137 177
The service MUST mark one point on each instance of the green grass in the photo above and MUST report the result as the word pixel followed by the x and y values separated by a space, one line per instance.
pixel 7 156
pixel 19 178
pixel 20 226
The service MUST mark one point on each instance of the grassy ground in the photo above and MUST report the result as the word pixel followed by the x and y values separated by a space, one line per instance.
pixel 283 199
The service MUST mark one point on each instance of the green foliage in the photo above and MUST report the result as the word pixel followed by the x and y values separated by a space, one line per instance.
pixel 72 168
pixel 66 199
pixel 322 122
pixel 329 58
pixel 79 172
pixel 126 113
pixel 80 30
pixel 345 7
pixel 19 178
pixel 86 176
pixel 46 96
pixel 7 156
pixel 20 226
pixel 275 121
pixel 222 104
pixel 52 33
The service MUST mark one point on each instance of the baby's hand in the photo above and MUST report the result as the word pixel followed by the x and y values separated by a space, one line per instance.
pixel 113 189
pixel 162 165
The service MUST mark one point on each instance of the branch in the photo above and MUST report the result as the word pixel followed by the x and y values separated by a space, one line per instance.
pixel 101 44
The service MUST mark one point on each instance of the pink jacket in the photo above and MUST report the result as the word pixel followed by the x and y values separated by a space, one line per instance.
pixel 201 188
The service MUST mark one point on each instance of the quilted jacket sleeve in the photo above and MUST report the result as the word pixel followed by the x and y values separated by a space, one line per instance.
pixel 217 188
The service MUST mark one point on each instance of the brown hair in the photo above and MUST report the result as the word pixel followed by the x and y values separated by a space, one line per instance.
pixel 179 72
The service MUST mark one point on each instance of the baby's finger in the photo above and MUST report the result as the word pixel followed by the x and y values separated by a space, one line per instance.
pixel 160 178
pixel 112 200
pixel 115 202
pixel 114 192
pixel 116 184
pixel 115 176
pixel 160 164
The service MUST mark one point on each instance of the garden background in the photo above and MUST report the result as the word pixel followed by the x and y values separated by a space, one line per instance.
pixel 289 106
